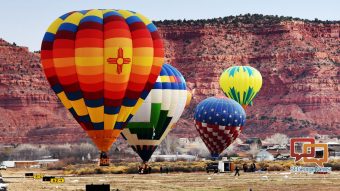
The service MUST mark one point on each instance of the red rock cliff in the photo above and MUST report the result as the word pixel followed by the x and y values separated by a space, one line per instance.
pixel 299 62
pixel 29 109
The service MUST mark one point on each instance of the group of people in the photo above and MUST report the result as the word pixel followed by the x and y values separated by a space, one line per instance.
pixel 165 169
pixel 252 168
pixel 144 169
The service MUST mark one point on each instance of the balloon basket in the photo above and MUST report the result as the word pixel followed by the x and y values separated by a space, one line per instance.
pixel 104 159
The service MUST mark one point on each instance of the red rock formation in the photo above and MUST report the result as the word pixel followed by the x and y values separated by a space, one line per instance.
pixel 30 111
pixel 299 61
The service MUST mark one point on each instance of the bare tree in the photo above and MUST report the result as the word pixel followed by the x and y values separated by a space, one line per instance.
pixel 61 151
pixel 84 149
pixel 198 148
pixel 254 149
pixel 231 149
pixel 277 138
pixel 168 145
pixel 28 152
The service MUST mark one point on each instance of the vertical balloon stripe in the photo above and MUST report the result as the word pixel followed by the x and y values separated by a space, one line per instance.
pixel 174 94
pixel 89 65
pixel 64 62
pixel 47 58
pixel 155 118
pixel 47 53
pixel 142 56
pixel 158 59
pixel 182 95
pixel 116 35
pixel 47 61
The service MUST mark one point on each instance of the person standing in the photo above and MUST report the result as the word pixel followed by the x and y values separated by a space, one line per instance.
pixel 253 167
pixel 237 171
pixel 245 167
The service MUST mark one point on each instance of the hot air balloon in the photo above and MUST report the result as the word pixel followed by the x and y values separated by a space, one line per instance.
pixel 158 114
pixel 102 64
pixel 219 121
pixel 189 97
pixel 241 83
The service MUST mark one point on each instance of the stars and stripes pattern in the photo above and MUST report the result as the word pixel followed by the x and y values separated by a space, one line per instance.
pixel 219 121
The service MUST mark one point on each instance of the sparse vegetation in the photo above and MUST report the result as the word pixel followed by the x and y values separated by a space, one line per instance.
pixel 288 119
pixel 277 138
pixel 256 19
pixel 181 166
pixel 187 181
pixel 67 152
pixel 132 168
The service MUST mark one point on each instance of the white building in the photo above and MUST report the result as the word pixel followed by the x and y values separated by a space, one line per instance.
pixel 264 156
pixel 173 157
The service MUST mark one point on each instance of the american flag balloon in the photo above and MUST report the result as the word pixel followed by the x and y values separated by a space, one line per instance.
pixel 219 121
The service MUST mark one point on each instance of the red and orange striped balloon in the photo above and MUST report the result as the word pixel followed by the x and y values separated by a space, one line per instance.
pixel 102 64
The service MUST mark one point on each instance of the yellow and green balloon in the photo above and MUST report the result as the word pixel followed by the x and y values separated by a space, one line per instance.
pixel 241 83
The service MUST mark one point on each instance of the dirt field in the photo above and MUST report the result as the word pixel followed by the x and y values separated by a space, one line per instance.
pixel 178 181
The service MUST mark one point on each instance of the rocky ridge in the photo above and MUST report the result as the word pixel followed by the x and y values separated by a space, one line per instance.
pixel 299 61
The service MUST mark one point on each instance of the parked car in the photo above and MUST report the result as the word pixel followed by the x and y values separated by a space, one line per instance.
pixel 35 166
pixel 3 187
pixel 212 167
pixel 3 167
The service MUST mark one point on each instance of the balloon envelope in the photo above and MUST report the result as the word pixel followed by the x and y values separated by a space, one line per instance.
pixel 159 112
pixel 219 121
pixel 189 97
pixel 241 83
pixel 102 65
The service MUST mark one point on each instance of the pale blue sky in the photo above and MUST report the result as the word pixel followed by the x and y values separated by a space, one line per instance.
pixel 25 21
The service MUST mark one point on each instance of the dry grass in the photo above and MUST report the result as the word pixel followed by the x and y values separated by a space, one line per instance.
pixel 132 168
pixel 278 181
pixel 179 166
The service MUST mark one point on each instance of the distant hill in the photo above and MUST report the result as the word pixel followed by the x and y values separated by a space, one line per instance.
pixel 299 61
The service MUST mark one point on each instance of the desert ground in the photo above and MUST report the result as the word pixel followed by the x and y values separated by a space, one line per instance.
pixel 284 181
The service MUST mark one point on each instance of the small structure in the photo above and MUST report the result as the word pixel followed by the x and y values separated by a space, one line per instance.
pixel 280 154
pixel 173 157
pixel 8 164
pixel 223 165
pixel 254 140
pixel 274 146
pixel 183 141
pixel 334 150
pixel 226 166
pixel 96 187
pixel 45 162
pixel 264 156
pixel 243 147
pixel 18 164
pixel 28 164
